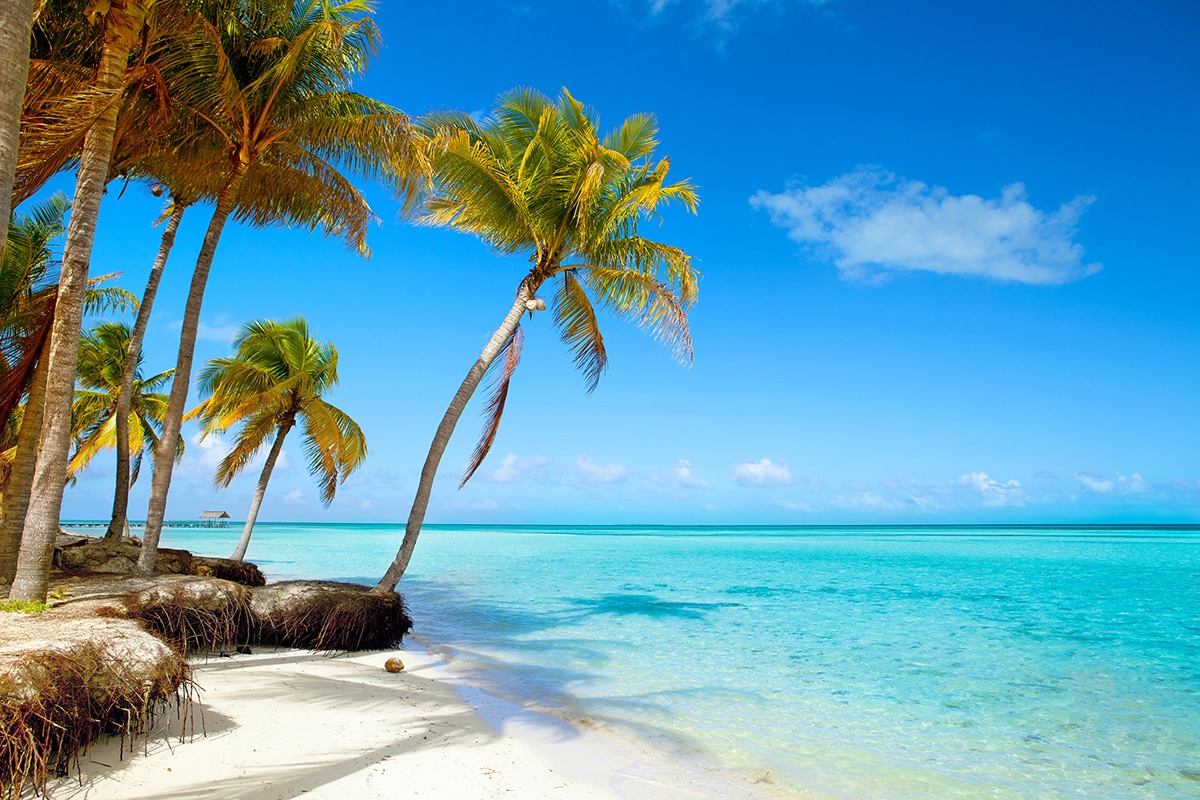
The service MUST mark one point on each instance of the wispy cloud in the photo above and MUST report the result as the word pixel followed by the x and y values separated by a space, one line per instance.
pixel 791 505
pixel 994 492
pixel 512 466
pixel 217 329
pixel 601 473
pixel 870 223
pixel 865 500
pixel 1119 484
pixel 724 14
pixel 685 478
pixel 295 497
pixel 763 472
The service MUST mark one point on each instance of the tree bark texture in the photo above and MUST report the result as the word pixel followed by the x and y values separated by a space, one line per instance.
pixel 120 510
pixel 20 482
pixel 442 438
pixel 261 490
pixel 164 456
pixel 16 21
pixel 42 517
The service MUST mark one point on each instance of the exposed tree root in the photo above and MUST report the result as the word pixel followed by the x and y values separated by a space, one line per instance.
pixel 68 678
pixel 323 615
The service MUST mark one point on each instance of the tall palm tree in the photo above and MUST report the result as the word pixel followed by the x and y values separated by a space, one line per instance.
pixel 274 84
pixel 130 361
pixel 276 379
pixel 102 353
pixel 536 179
pixel 122 22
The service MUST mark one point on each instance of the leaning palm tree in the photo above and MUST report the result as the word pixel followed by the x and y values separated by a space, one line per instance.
pixel 276 379
pixel 274 84
pixel 536 179
pixel 102 353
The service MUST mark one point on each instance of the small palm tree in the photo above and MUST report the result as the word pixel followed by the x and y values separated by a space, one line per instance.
pixel 277 378
pixel 102 352
pixel 535 179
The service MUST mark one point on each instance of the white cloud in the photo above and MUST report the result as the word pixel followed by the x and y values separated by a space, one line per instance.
pixel 1121 484
pixel 870 223
pixel 507 469
pixel 366 504
pixel 993 492
pixel 791 505
pixel 601 473
pixel 295 496
pixel 683 474
pixel 762 473
pixel 512 467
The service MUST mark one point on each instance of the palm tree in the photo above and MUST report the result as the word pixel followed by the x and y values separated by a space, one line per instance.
pixel 131 359
pixel 535 179
pixel 273 83
pixel 275 379
pixel 102 353
pixel 122 22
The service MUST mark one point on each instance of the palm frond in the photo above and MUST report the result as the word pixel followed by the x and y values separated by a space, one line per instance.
pixel 510 357
pixel 580 331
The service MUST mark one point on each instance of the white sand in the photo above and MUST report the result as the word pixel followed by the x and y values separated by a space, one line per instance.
pixel 281 724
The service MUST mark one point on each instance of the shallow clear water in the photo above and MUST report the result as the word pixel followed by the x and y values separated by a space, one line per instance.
pixel 888 663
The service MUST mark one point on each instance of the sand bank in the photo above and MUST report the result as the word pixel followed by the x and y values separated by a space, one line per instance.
pixel 280 724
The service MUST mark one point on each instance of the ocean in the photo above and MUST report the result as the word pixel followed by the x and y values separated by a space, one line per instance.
pixel 873 663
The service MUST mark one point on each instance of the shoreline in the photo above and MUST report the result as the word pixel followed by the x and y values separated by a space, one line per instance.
pixel 280 723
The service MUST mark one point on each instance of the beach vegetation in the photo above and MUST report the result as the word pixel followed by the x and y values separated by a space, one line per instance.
pixel 277 379
pixel 538 179
pixel 22 606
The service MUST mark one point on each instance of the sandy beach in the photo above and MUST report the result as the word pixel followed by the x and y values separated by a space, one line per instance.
pixel 286 723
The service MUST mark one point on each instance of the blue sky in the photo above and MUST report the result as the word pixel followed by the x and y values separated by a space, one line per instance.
pixel 949 256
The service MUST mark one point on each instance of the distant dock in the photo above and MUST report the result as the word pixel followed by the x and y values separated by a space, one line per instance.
pixel 191 523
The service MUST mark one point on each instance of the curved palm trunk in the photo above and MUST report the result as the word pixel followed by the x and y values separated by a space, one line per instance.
pixel 20 481
pixel 120 510
pixel 260 490
pixel 42 517
pixel 164 457
pixel 440 439
pixel 16 20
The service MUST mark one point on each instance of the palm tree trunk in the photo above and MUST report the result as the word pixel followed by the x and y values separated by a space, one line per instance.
pixel 16 20
pixel 120 510
pixel 260 490
pixel 42 517
pixel 20 481
pixel 164 456
pixel 442 438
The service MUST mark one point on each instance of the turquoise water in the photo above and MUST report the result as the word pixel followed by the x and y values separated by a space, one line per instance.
pixel 888 663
